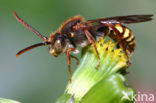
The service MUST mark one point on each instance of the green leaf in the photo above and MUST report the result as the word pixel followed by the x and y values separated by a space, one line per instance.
pixel 2 100
pixel 65 98
pixel 113 89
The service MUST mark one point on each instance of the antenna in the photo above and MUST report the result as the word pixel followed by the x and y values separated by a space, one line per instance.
pixel 29 27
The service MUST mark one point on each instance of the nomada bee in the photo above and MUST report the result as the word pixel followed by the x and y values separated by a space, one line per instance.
pixel 76 31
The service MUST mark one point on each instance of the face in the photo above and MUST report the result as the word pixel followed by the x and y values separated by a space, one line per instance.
pixel 58 45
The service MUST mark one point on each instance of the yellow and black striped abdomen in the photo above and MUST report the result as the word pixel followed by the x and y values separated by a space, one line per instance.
pixel 127 37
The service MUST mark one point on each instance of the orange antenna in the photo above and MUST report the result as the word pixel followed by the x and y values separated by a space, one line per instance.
pixel 29 27
pixel 31 47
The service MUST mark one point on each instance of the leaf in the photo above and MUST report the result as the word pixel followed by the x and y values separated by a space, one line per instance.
pixel 2 100
pixel 113 89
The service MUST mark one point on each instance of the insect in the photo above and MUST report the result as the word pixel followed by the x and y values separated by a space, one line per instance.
pixel 77 31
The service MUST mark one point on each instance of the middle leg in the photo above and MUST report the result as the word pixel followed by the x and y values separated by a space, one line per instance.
pixel 92 41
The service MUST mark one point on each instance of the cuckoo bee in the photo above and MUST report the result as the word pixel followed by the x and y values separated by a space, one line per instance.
pixel 77 31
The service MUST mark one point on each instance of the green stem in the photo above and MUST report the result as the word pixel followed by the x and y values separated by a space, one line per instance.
pixel 110 90
pixel 112 60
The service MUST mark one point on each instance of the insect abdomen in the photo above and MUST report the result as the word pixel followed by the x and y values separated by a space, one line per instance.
pixel 127 37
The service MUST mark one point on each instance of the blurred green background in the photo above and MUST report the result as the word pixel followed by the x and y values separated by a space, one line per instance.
pixel 37 77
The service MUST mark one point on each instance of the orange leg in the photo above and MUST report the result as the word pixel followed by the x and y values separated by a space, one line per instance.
pixel 122 43
pixel 69 62
pixel 92 41
pixel 75 59
pixel 125 51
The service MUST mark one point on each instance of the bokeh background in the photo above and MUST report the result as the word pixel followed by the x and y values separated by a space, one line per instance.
pixel 37 77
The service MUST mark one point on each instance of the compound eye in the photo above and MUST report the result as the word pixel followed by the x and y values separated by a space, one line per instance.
pixel 58 46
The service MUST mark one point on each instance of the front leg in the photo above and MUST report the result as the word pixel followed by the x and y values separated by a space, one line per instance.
pixel 69 61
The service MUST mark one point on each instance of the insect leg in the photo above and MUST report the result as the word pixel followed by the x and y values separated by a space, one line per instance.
pixel 122 43
pixel 92 41
pixel 75 59
pixel 69 61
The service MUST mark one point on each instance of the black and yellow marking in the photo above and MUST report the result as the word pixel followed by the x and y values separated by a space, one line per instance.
pixel 132 42
pixel 126 36
pixel 126 33
pixel 119 28
pixel 130 38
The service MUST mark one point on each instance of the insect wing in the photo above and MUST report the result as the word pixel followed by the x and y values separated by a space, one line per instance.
pixel 123 19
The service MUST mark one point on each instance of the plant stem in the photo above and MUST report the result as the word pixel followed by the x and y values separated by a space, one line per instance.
pixel 112 60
